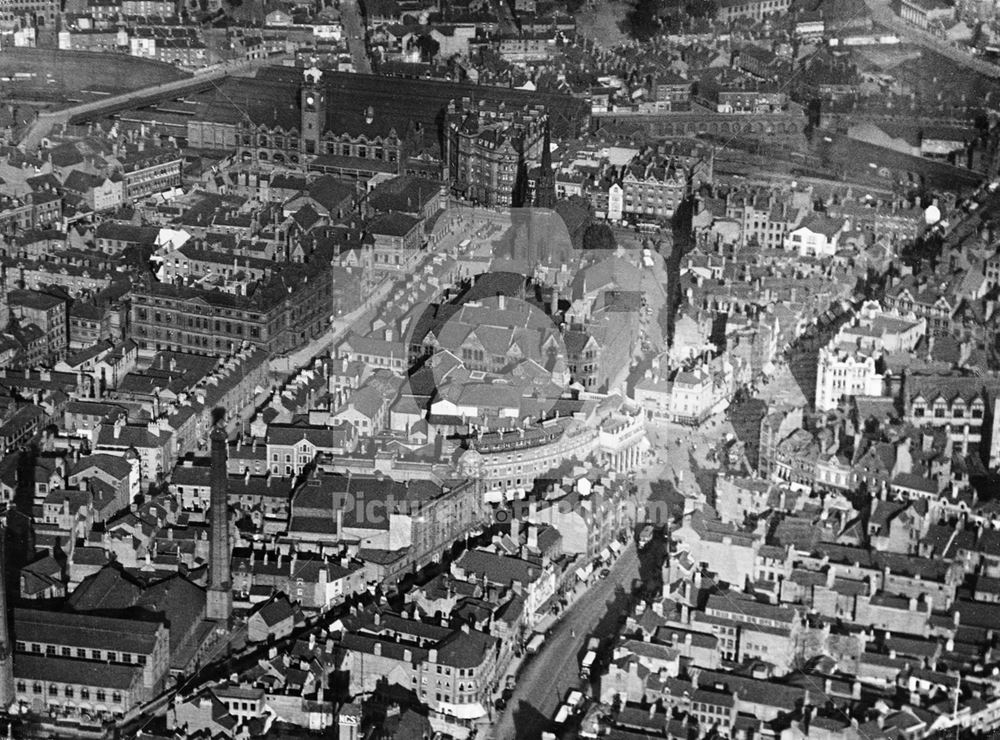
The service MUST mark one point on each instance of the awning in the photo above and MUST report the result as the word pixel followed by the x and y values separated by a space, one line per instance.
pixel 493 497
pixel 462 711
pixel 617 547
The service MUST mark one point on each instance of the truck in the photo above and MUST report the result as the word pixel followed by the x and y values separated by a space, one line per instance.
pixel 535 643
pixel 587 663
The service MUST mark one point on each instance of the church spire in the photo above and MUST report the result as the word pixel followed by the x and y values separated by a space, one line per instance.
pixel 545 188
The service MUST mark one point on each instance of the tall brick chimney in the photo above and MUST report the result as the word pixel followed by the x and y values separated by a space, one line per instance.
pixel 220 589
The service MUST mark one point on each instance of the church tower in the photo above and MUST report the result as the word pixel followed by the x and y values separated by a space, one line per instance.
pixel 6 654
pixel 220 589
pixel 313 112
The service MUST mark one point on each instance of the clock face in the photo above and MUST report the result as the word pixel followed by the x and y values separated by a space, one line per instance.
pixel 309 100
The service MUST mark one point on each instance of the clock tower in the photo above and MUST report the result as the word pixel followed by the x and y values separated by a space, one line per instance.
pixel 313 112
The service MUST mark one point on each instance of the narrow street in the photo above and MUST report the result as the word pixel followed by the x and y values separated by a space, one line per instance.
pixel 548 676
pixel 354 34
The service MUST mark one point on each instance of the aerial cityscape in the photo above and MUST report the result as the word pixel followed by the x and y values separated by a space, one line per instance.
pixel 500 369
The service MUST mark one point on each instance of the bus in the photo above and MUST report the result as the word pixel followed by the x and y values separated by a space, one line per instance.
pixel 574 699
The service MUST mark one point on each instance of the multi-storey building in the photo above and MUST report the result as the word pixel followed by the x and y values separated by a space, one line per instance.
pixel 535 581
pixel 928 300
pixel 486 147
pixel 965 406
pixel 653 189
pixel 926 13
pixel 314 583
pixel 278 314
pixel 147 173
pixel 889 220
pixel 730 10
pixel 90 644
pixel 35 210
pixel 817 235
pixel 398 238
pixel 285 134
pixel 29 13
pixel 94 39
pixel 114 237
pixel 34 274
pixel 766 218
pixel 846 371
pixel 764 98
pixel 411 522
pixel 512 461
pixel 672 90
pixel 48 683
pixel 184 52
pixel 149 8
pixel 526 46
pixel 46 312
pixel 100 193
pixel 451 670
pixel 292 447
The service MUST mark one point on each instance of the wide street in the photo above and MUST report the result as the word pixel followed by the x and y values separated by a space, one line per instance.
pixel 550 674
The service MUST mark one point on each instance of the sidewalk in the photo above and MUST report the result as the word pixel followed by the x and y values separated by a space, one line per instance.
pixel 549 621
pixel 340 326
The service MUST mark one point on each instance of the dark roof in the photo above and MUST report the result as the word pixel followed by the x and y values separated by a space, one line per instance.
pixel 393 224
pixel 274 611
pixel 80 672
pixel 126 232
pixel 180 602
pixel 406 194
pixel 86 630
pixel 108 589
pixel 33 299
pixel 114 465
pixel 330 192
pixel 397 102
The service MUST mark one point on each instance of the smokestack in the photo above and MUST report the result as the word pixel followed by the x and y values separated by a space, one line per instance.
pixel 220 594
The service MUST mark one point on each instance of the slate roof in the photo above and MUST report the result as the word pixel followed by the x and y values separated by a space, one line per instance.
pixel 46 668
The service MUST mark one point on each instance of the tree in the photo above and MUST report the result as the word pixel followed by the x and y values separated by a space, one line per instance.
pixel 701 8
pixel 599 236
pixel 643 21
